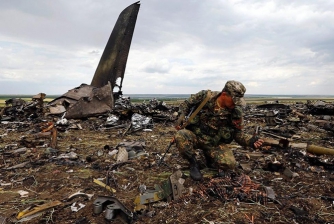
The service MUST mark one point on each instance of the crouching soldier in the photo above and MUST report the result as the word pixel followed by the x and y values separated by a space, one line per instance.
pixel 216 125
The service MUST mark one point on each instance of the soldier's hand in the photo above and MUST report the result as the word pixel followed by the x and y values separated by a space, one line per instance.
pixel 258 143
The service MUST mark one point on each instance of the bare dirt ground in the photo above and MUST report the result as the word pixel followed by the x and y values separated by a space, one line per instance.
pixel 303 188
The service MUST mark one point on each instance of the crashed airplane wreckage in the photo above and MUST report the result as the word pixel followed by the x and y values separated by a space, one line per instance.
pixel 98 97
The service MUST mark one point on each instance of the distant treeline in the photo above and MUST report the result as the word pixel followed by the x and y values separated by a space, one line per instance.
pixel 133 97
pixel 6 97
pixel 175 97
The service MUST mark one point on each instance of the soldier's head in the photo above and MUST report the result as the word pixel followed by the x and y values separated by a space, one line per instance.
pixel 236 90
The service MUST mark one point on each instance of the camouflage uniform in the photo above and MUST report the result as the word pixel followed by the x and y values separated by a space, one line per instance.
pixel 211 130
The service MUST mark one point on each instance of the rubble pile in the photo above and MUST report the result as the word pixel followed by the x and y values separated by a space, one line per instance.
pixel 113 167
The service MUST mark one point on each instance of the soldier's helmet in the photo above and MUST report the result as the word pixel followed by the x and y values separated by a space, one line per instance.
pixel 236 90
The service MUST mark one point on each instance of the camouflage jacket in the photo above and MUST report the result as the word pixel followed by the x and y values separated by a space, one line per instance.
pixel 214 126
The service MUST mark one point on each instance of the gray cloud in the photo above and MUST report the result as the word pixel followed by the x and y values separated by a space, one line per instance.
pixel 274 47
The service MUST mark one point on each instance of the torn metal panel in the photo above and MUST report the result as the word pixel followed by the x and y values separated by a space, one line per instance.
pixel 123 102
pixel 83 101
pixel 270 192
pixel 73 95
pixel 176 182
pixel 79 193
pixel 15 102
pixel 271 118
pixel 282 109
pixel 99 101
pixel 113 207
pixel 317 161
pixel 169 189
pixel 40 96
pixel 320 108
pixel 141 122
pixel 113 60
pixel 56 109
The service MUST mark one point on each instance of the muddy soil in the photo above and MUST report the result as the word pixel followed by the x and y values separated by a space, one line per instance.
pixel 305 195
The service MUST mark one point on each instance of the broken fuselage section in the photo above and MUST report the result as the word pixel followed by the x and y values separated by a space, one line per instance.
pixel 99 97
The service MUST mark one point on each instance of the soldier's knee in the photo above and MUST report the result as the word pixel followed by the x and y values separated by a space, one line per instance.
pixel 179 135
pixel 184 136
pixel 185 141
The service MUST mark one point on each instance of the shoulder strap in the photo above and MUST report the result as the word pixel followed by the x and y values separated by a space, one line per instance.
pixel 208 95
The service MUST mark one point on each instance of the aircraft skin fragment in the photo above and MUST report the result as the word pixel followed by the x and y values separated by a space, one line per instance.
pixel 99 101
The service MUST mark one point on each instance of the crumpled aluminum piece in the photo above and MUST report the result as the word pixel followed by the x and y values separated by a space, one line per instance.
pixel 123 103
pixel 122 155
pixel 141 122
pixel 76 208
pixel 112 120
pixel 63 121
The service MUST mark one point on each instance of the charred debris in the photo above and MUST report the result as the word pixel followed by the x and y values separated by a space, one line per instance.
pixel 298 144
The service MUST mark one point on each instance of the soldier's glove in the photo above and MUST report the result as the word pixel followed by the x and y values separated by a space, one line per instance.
pixel 179 121
pixel 252 141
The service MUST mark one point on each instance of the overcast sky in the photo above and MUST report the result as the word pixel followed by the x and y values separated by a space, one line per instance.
pixel 178 46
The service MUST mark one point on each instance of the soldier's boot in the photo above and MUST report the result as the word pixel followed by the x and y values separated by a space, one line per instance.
pixel 195 173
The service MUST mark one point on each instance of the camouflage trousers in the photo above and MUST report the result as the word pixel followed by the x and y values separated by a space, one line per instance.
pixel 220 156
